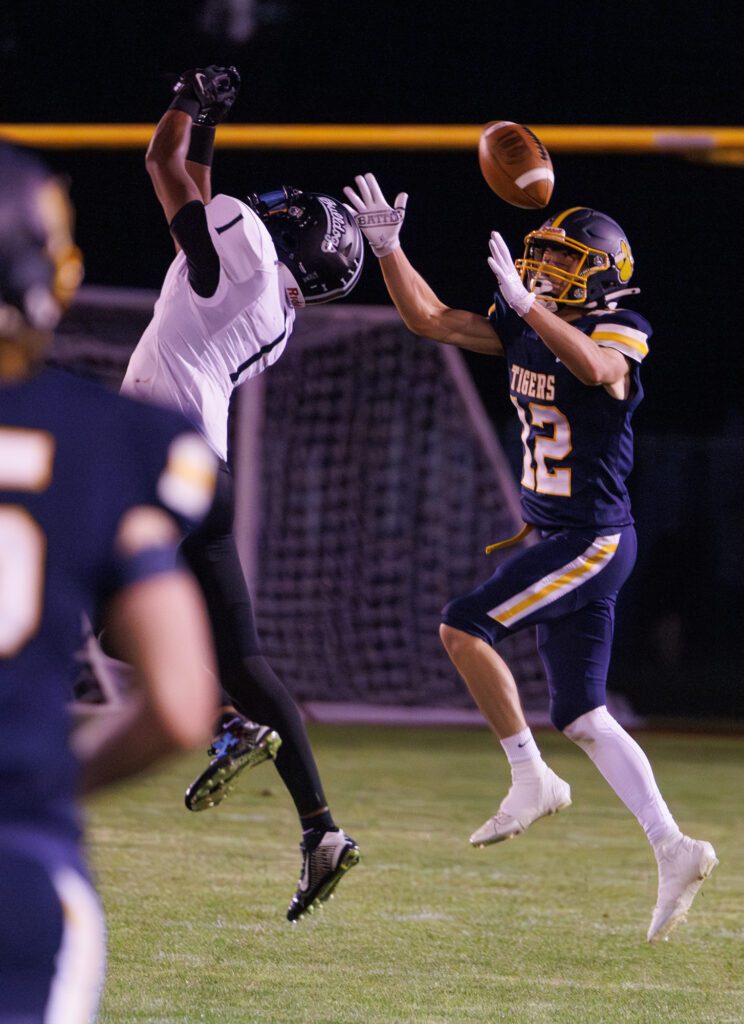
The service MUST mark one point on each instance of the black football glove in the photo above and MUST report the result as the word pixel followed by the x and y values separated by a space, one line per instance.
pixel 206 94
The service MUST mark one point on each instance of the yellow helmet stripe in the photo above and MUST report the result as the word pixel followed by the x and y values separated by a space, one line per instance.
pixel 561 216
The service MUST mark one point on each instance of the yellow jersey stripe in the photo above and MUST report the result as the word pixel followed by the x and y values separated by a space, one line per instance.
pixel 192 472
pixel 621 339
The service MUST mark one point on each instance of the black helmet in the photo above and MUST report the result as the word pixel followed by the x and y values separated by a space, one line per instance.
pixel 40 267
pixel 316 238
pixel 605 259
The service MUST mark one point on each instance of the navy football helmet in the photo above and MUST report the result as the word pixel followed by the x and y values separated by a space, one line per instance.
pixel 316 238
pixel 40 266
pixel 605 260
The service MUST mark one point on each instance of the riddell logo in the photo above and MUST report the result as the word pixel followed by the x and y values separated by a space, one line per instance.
pixel 335 225
pixel 295 297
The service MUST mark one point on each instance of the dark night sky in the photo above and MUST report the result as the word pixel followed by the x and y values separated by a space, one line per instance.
pixel 558 63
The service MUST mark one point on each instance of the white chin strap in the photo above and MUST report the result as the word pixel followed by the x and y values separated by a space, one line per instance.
pixel 543 290
pixel 613 296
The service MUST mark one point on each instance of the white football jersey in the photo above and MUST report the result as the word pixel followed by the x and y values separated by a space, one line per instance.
pixel 195 351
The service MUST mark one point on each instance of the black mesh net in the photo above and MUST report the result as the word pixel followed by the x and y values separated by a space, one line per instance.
pixel 377 502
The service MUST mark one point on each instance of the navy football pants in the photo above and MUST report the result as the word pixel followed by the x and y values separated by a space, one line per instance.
pixel 51 938
pixel 566 585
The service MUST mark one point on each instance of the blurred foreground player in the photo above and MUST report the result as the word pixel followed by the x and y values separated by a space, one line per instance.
pixel 85 481
pixel 225 312
pixel 574 377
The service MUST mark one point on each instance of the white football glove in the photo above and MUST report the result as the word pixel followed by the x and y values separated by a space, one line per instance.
pixel 502 265
pixel 379 221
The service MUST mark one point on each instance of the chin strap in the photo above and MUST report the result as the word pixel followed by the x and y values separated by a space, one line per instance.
pixel 510 541
pixel 610 299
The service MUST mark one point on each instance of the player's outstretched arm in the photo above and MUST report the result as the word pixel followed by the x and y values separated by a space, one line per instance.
pixel 420 308
pixel 165 161
pixel 587 361
pixel 425 314
pixel 179 157
pixel 159 626
pixel 216 89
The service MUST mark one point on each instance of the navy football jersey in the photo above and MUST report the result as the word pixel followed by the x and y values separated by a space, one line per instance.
pixel 577 439
pixel 73 459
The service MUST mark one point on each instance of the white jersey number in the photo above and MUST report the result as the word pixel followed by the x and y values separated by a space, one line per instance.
pixel 536 474
pixel 25 465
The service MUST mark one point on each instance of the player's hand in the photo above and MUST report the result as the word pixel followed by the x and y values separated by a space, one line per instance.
pixel 501 263
pixel 214 88
pixel 379 221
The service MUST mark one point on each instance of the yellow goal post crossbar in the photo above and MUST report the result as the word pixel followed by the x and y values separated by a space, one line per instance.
pixel 724 144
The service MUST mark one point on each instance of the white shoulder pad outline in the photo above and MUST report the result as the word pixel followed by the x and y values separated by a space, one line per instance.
pixel 242 242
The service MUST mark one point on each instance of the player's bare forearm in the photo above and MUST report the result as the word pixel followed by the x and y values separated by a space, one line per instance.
pixel 159 626
pixel 166 163
pixel 425 314
pixel 201 175
pixel 586 360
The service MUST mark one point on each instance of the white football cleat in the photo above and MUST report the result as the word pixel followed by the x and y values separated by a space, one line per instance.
pixel 684 864
pixel 523 804
pixel 323 867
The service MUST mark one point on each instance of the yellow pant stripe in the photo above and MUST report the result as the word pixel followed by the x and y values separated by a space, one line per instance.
pixel 565 581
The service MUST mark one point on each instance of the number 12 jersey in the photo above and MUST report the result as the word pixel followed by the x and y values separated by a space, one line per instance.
pixel 577 439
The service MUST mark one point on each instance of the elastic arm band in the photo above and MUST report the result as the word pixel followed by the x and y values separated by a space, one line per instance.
pixel 145 564
pixel 188 104
pixel 201 146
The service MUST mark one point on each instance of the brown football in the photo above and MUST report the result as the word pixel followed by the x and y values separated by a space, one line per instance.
pixel 515 164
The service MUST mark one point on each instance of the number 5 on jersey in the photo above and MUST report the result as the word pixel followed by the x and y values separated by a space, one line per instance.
pixel 26 458
pixel 537 475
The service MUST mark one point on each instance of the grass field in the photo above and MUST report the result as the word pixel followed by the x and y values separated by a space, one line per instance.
pixel 548 928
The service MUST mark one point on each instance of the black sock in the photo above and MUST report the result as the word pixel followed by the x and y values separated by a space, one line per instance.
pixel 322 822
pixel 315 826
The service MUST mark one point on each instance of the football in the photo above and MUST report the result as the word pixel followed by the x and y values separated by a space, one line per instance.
pixel 515 164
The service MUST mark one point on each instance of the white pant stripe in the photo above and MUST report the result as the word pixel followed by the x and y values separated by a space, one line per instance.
pixel 76 987
pixel 558 583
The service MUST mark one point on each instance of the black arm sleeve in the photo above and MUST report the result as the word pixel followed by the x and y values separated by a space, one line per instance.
pixel 189 228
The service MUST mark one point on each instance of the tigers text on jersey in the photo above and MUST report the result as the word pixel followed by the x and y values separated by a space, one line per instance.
pixel 196 350
pixel 577 440
pixel 73 460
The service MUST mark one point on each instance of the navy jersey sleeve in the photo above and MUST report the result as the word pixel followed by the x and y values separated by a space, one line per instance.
pixel 504 320
pixel 169 466
pixel 623 330
pixel 190 229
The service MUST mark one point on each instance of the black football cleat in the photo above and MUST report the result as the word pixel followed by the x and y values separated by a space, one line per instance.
pixel 241 744
pixel 323 867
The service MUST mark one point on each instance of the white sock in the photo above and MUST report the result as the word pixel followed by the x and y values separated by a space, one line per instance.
pixel 524 756
pixel 627 769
